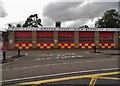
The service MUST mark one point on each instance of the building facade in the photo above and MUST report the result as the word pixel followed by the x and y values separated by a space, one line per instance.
pixel 62 38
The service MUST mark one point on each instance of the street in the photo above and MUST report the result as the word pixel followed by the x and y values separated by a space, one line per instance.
pixel 51 64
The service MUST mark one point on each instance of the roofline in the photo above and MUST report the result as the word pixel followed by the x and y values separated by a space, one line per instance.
pixel 61 29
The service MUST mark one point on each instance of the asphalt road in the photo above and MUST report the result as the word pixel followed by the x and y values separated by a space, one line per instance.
pixel 102 77
pixel 86 80
pixel 43 64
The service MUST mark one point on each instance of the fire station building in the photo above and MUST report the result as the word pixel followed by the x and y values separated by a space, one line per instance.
pixel 62 38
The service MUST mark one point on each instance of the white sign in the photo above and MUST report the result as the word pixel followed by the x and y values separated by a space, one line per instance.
pixel 119 37
pixel 55 41
pixel 11 41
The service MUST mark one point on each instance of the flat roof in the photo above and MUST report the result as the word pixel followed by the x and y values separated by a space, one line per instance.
pixel 61 29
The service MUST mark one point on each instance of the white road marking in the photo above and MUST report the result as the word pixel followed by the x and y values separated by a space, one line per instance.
pixel 37 59
pixel 57 57
pixel 24 67
pixel 36 66
pixel 44 58
pixel 89 61
pixel 26 54
pixel 21 57
pixel 47 64
pixel 60 74
pixel 73 56
pixel 79 56
pixel 64 63
pixel 6 63
pixel 14 68
pixel 60 64
pixel 65 56
pixel 16 59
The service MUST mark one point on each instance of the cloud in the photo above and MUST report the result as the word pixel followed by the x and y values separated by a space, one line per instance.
pixel 59 10
pixel 79 12
pixel 78 23
pixel 3 13
pixel 46 22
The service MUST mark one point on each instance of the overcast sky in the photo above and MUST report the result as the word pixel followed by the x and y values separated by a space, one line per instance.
pixel 74 13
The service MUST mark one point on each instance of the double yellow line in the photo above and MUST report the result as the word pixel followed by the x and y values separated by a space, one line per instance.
pixel 92 76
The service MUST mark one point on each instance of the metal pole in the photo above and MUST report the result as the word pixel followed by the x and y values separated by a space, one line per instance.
pixel 4 55
pixel 119 43
pixel 18 52
pixel 94 48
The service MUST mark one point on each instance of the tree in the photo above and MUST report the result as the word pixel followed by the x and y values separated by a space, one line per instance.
pixel 18 25
pixel 32 21
pixel 110 19
pixel 10 25
pixel 84 26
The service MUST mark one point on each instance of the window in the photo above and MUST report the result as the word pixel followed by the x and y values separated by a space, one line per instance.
pixel 86 39
pixel 45 39
pixel 106 39
pixel 23 39
pixel 66 39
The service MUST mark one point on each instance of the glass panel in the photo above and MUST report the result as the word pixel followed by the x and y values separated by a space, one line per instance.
pixel 66 39
pixel 86 39
pixel 23 39
pixel 106 39
pixel 45 39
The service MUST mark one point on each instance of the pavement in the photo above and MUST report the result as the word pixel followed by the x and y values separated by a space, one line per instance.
pixel 11 55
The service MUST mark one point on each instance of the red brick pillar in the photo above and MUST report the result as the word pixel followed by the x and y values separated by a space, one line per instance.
pixel 11 40
pixel 76 39
pixel 56 39
pixel 34 39
pixel 96 39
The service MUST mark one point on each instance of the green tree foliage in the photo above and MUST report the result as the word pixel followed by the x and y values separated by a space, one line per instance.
pixel 32 21
pixel 5 36
pixel 18 25
pixel 10 25
pixel 84 26
pixel 110 19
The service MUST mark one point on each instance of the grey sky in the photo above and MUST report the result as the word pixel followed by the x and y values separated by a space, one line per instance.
pixel 78 12
pixel 70 12
pixel 3 13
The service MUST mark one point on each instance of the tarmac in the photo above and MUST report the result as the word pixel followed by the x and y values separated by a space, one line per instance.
pixel 55 61
pixel 11 55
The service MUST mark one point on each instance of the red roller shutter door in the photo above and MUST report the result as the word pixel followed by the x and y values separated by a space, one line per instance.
pixel 86 40
pixel 45 40
pixel 65 40
pixel 106 40
pixel 23 40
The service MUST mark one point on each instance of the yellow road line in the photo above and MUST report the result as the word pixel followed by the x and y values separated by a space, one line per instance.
pixel 57 79
pixel 93 81
pixel 111 78
pixel 68 78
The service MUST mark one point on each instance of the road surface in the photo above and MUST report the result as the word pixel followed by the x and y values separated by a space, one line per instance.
pixel 43 65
